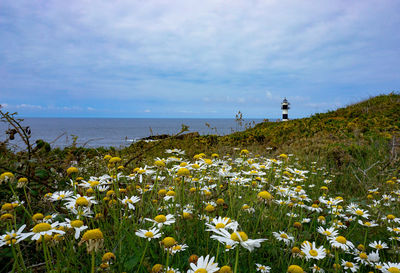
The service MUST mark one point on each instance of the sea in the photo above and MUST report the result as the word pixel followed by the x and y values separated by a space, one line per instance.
pixel 115 132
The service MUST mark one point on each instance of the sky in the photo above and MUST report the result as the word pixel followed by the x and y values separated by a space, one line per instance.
pixel 195 59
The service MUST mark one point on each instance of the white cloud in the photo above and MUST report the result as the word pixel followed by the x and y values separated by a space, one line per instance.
pixel 29 106
pixel 204 52
pixel 147 111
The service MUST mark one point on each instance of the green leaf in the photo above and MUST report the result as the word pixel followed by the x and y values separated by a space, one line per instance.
pixel 131 263
pixel 42 174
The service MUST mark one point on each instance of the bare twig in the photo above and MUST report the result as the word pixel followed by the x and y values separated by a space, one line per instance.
pixel 57 138
pixel 92 139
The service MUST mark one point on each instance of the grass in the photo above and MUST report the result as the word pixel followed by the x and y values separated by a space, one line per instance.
pixel 331 170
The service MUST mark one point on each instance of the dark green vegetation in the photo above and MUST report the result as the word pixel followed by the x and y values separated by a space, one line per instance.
pixel 359 143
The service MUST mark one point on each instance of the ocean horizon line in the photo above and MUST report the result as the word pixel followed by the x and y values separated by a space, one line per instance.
pixel 204 118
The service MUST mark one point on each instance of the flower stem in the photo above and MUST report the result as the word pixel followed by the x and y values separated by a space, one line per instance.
pixel 93 269
pixel 236 259
pixel 144 252
pixel 216 259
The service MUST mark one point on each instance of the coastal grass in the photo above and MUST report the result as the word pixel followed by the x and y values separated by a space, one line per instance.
pixel 331 170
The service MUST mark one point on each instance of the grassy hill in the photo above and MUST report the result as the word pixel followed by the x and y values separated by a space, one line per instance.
pixel 360 123
pixel 359 142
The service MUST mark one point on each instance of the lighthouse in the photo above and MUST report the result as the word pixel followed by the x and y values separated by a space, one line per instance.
pixel 285 107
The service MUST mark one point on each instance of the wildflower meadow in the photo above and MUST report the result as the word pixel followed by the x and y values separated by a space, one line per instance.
pixel 238 212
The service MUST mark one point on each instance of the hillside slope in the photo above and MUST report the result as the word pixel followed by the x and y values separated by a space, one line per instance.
pixel 363 123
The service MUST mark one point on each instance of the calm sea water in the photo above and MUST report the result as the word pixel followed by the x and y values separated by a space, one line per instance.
pixel 115 132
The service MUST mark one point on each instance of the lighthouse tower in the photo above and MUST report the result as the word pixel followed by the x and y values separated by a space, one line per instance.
pixel 285 107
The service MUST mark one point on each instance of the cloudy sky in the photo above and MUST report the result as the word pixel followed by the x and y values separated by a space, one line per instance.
pixel 209 58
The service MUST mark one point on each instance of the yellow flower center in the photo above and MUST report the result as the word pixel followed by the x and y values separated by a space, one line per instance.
pixel 295 269
pixel 7 206
pixel 363 256
pixel 108 256
pixel 162 192
pixel 208 161
pixel 37 216
pixel 7 216
pixel 378 246
pixel 177 247
pixel 341 239
pixel 160 218
pixel 225 269
pixel 94 183
pixel 93 234
pixel 171 193
pixel 149 234
pixel 284 236
pixel 393 270
pixel 349 264
pixel 327 233
pixel 220 225
pixel 159 163
pixel 82 201
pixel 72 170
pixel 76 223
pixel 295 250
pixel 201 270
pixel 390 217
pixel 313 253
pixel 183 172
pixel 359 212
pixel 210 208
pixel 41 227
pixel 242 234
pixel 265 195
pixel 168 241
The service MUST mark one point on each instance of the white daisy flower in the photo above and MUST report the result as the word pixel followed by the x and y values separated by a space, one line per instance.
pixel 328 232
pixel 77 225
pixel 13 237
pixel 390 267
pixel 161 220
pixel 263 268
pixel 177 248
pixel 341 242
pixel 368 223
pixel 60 195
pixel 206 264
pixel 283 236
pixel 222 222
pixel 236 238
pixel 312 252
pixel 378 245
pixel 149 234
pixel 317 269
pixel 130 201
pixel 349 265
pixel 42 229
